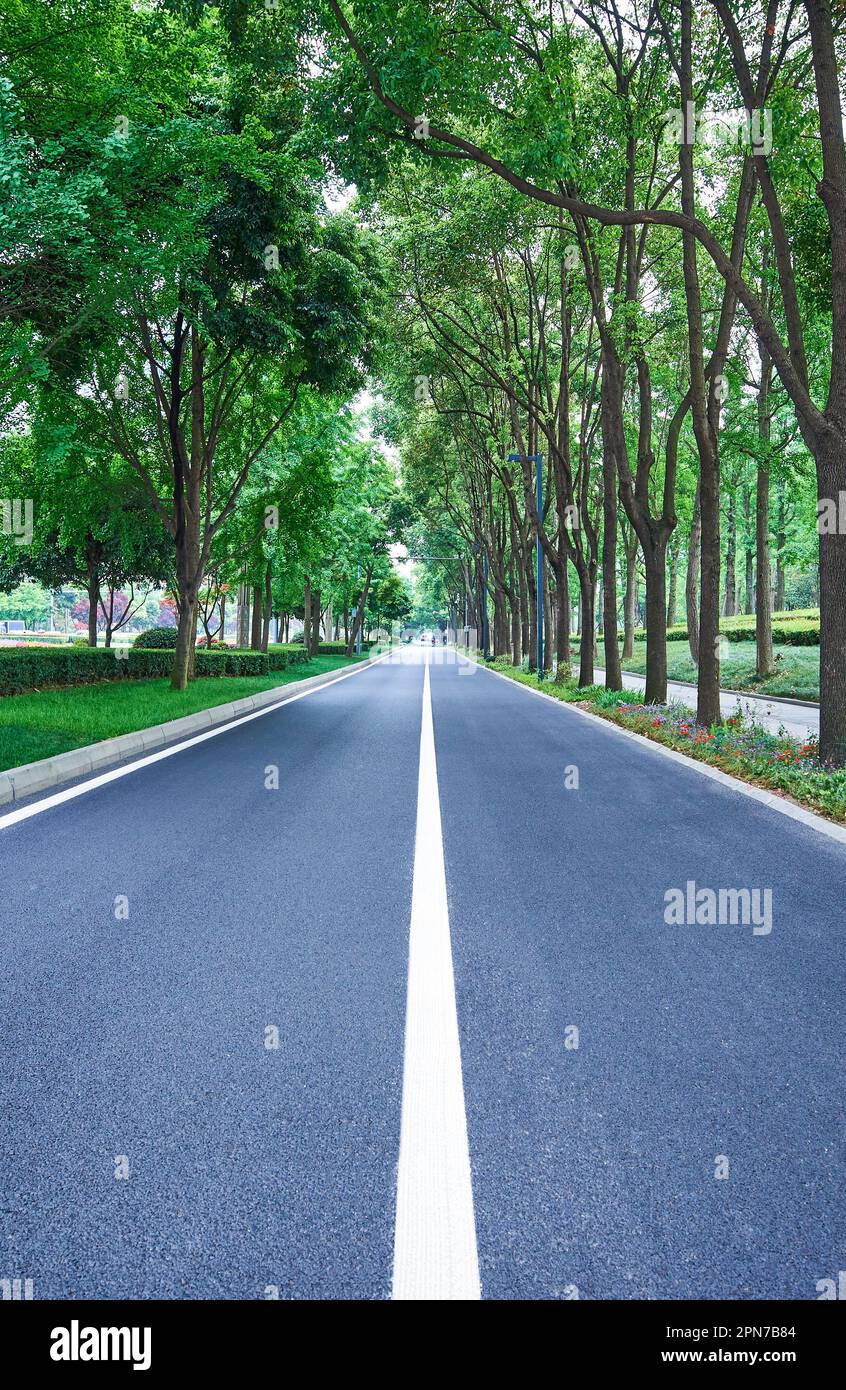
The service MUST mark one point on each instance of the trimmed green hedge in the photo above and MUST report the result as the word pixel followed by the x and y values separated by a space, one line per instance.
pixel 281 655
pixel 339 648
pixel 333 648
pixel 324 649
pixel 30 668
pixel 787 631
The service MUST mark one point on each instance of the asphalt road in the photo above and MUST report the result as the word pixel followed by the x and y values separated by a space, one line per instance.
pixel 259 1171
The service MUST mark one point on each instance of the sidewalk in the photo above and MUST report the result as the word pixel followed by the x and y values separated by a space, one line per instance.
pixel 773 714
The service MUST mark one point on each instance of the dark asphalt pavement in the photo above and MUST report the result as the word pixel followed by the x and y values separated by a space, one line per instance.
pixel 249 1167
pixel 253 1167
pixel 595 1167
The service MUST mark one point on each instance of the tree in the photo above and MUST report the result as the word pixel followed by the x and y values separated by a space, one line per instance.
pixel 456 81
pixel 390 599
pixel 229 289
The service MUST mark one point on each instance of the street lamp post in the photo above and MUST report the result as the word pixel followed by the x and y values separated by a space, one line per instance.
pixel 537 459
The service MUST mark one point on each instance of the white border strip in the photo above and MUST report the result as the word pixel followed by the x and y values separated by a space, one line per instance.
pixel 435 1254
pixel 775 803
pixel 58 798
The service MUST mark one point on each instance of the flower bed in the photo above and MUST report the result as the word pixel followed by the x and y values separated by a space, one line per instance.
pixel 788 766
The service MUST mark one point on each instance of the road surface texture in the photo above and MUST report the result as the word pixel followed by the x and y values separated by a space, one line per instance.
pixel 574 1071
pixel 797 717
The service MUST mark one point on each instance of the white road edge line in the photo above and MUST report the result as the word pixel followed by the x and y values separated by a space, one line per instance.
pixel 435 1254
pixel 57 798
pixel 828 828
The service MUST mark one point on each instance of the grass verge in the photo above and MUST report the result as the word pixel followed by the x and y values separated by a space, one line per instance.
pixel 797 668
pixel 777 762
pixel 43 725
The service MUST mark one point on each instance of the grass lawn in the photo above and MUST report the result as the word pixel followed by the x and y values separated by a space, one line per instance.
pixel 797 673
pixel 44 724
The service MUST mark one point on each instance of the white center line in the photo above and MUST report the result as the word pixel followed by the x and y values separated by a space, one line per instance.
pixel 435 1255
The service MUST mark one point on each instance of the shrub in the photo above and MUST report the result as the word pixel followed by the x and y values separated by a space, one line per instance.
pixel 244 663
pixel 340 648
pixel 210 663
pixel 788 631
pixel 139 664
pixel 28 668
pixel 797 634
pixel 326 648
pixel 281 655
pixel 157 637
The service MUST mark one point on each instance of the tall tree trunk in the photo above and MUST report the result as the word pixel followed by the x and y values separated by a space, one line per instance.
pixel 672 595
pixel 242 618
pixel 656 619
pixel 531 587
pixel 187 511
pixel 516 635
pixel 187 567
pixel 315 622
pixel 691 588
pixel 830 451
pixel 255 633
pixel 562 627
pixel 192 649
pixel 186 628
pixel 764 659
pixel 831 473
pixel 708 710
pixel 307 615
pixel 514 601
pixel 268 604
pixel 749 556
pixel 358 620
pixel 704 422
pixel 731 557
pixel 781 542
pixel 500 628
pixel 93 551
pixel 630 548
pixel 548 631
pixel 586 626
pixel 613 669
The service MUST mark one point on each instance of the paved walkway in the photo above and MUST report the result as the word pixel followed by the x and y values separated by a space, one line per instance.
pixel 772 713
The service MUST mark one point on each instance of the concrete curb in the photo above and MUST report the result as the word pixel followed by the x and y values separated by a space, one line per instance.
pixel 830 829
pixel 16 783
pixel 741 694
